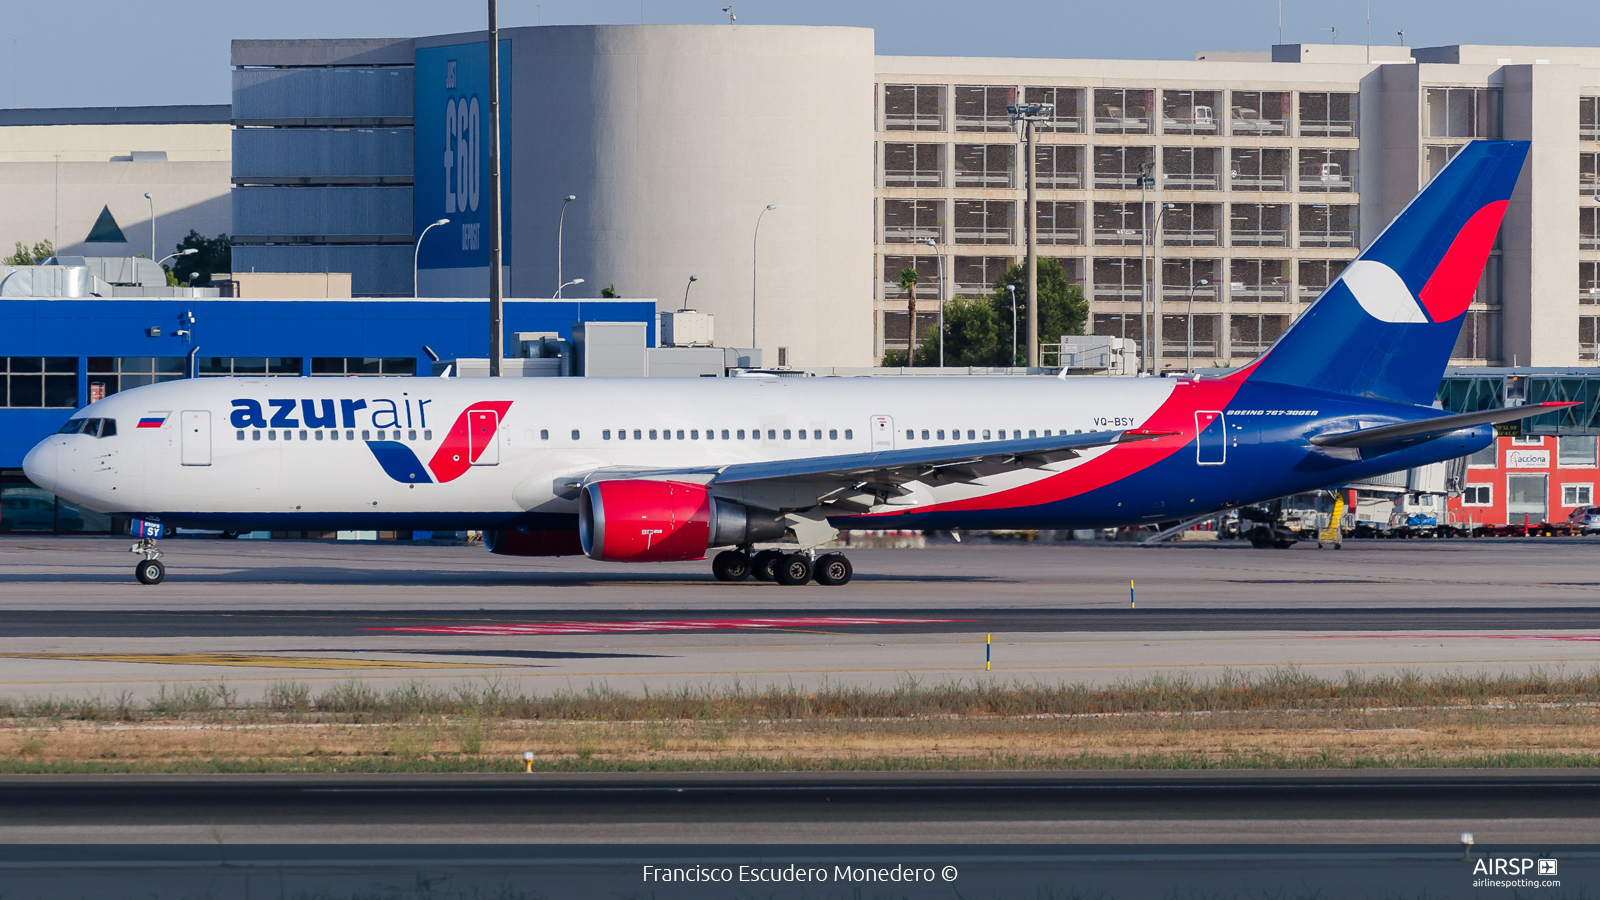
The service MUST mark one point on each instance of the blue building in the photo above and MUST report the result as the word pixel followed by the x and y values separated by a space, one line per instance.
pixel 59 354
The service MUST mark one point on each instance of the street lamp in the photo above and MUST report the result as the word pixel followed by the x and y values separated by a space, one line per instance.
pixel 567 285
pixel 1029 114
pixel 561 226
pixel 755 247
pixel 189 252
pixel 1198 284
pixel 1145 180
pixel 692 280
pixel 415 251
pixel 940 257
pixel 1013 289
pixel 152 225
pixel 1155 312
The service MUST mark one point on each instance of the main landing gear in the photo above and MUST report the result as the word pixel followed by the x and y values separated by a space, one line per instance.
pixel 149 570
pixel 831 569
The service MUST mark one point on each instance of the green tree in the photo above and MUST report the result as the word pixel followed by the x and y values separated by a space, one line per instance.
pixel 610 292
pixel 894 358
pixel 213 255
pixel 971 335
pixel 908 283
pixel 41 251
pixel 1062 309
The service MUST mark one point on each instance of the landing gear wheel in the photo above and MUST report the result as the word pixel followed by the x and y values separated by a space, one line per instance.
pixel 793 570
pixel 731 565
pixel 150 571
pixel 833 570
pixel 761 565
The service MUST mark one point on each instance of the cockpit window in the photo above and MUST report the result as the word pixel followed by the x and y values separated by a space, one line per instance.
pixel 73 426
pixel 108 428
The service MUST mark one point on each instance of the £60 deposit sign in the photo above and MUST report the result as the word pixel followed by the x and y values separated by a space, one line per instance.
pixel 452 153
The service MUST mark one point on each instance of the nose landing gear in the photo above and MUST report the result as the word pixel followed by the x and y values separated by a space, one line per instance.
pixel 149 570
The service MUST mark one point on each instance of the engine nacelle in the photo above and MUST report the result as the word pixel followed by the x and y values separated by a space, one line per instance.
pixel 518 542
pixel 662 521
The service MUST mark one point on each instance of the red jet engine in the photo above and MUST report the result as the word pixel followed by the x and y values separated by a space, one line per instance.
pixel 664 521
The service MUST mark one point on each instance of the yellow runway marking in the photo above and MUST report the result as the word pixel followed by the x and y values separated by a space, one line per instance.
pixel 261 662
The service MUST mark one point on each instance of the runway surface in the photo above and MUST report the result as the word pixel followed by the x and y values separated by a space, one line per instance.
pixel 1431 807
pixel 74 622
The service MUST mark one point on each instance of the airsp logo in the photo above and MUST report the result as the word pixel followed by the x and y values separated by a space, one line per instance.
pixel 1547 867
pixel 1503 866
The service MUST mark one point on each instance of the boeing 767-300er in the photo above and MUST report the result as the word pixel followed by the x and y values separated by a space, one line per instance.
pixel 636 470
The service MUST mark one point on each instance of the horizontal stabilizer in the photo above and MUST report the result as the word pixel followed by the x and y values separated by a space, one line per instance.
pixel 1431 428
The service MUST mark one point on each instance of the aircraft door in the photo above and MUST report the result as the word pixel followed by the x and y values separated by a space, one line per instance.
pixel 1211 437
pixel 483 447
pixel 196 440
pixel 882 432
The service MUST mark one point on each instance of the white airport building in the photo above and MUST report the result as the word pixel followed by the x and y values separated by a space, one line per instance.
pixel 1268 170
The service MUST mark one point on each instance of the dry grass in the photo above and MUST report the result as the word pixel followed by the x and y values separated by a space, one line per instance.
pixel 1284 719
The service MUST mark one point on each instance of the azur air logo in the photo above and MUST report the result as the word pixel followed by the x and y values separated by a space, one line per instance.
pixel 469 442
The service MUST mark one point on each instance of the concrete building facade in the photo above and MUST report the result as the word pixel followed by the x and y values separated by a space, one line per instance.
pixel 63 172
pixel 1270 171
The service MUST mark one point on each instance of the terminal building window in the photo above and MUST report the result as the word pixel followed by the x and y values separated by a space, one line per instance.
pixel 110 374
pixel 1589 283
pixel 913 165
pixel 1189 112
pixel 913 221
pixel 1462 112
pixel 1259 113
pixel 1116 278
pixel 913 107
pixel 1259 224
pixel 986 165
pixel 1259 170
pixel 1117 224
pixel 1588 228
pixel 978 274
pixel 985 222
pixel 1250 334
pixel 1117 168
pixel 1060 222
pixel 1058 167
pixel 1576 450
pixel 1190 169
pixel 982 108
pixel 1317 274
pixel 1325 225
pixel 247 365
pixel 1258 280
pixel 1327 170
pixel 363 365
pixel 1589 118
pixel 34 382
pixel 1327 114
pixel 1588 174
pixel 1068 102
pixel 1192 225
pixel 1122 111
pixel 927 269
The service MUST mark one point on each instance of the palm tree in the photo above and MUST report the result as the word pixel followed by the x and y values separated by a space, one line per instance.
pixel 908 283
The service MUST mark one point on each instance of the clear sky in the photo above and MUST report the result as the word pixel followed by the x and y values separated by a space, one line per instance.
pixel 143 52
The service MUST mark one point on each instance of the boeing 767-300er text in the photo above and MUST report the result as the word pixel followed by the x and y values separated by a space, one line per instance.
pixel 632 470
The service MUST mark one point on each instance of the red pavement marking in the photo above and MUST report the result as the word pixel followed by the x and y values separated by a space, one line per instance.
pixel 657 625
pixel 1500 637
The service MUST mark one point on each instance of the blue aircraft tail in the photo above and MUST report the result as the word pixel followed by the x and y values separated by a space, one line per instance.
pixel 1386 326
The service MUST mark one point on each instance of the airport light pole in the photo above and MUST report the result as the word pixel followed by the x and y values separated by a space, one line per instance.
pixel 692 280
pixel 189 252
pixel 1155 306
pixel 1028 114
pixel 497 347
pixel 567 285
pixel 1013 360
pixel 152 225
pixel 940 257
pixel 561 227
pixel 755 249
pixel 1198 284
pixel 1144 267
pixel 417 250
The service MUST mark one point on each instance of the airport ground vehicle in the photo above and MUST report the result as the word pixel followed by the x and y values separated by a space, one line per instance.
pixel 633 470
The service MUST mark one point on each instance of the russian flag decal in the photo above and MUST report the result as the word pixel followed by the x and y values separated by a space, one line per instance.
pixel 154 419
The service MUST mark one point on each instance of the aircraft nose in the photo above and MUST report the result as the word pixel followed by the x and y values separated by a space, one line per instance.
pixel 41 462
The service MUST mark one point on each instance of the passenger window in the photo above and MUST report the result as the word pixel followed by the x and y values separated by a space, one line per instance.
pixel 773 435
pixel 255 435
pixel 680 434
pixel 241 436
pixel 740 433
pixel 924 434
pixel 940 432
pixel 986 434
pixel 273 435
pixel 972 435
pixel 666 435
pixel 847 434
pixel 303 435
pixel 544 434
pixel 636 435
pixel 605 435
pixel 1016 435
pixel 574 434
pixel 427 435
pixel 1030 431
pixel 694 434
pixel 910 435
pixel 410 435
pixel 652 434
pixel 334 434
pixel 833 433
pixel 365 435
pixel 725 434
pixel 319 434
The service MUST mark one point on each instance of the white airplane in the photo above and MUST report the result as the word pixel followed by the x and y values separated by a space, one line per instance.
pixel 633 470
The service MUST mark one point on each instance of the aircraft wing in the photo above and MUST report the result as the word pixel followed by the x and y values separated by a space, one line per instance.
pixel 1434 427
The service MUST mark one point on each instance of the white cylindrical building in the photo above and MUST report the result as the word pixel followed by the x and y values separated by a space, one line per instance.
pixel 675 138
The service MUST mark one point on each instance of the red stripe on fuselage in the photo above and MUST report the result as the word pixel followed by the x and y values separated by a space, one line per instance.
pixel 1176 415
pixel 454 456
